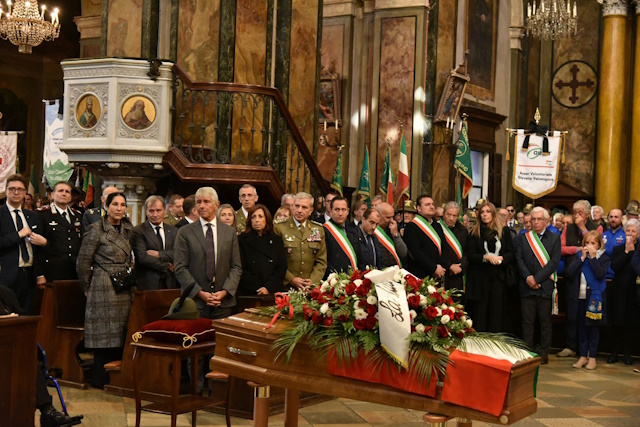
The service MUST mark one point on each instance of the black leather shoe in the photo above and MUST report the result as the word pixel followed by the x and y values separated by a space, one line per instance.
pixel 613 358
pixel 544 360
pixel 627 360
pixel 50 417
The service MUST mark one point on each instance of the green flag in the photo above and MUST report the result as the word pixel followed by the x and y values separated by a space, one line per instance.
pixel 463 160
pixel 34 185
pixel 336 181
pixel 364 188
pixel 384 181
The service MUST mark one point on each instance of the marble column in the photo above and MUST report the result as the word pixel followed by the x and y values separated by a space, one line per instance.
pixel 136 190
pixel 634 175
pixel 611 147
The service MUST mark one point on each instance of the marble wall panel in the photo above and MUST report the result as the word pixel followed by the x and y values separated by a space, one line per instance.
pixel 397 73
pixel 197 54
pixel 124 34
pixel 198 38
pixel 302 80
pixel 332 61
pixel 446 42
pixel 578 170
pixel 249 68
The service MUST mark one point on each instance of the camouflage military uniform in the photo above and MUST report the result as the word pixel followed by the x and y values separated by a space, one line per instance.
pixel 306 249
pixel 241 221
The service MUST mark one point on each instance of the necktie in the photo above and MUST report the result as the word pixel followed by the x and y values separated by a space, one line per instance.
pixel 211 254
pixel 66 216
pixel 159 236
pixel 373 249
pixel 23 245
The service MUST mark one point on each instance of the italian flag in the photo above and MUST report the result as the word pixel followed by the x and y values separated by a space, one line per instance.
pixel 403 173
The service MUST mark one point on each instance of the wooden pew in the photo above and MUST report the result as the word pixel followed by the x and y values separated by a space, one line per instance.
pixel 61 331
pixel 18 357
pixel 147 307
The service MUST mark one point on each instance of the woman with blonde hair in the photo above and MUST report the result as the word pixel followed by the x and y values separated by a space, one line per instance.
pixel 587 302
pixel 490 252
pixel 227 215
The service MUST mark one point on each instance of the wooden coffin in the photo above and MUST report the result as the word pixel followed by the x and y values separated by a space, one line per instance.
pixel 243 350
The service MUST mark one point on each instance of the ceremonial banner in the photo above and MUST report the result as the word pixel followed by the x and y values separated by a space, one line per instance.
pixel 8 153
pixel 463 162
pixel 55 162
pixel 403 173
pixel 336 181
pixel 386 183
pixel 536 174
pixel 364 188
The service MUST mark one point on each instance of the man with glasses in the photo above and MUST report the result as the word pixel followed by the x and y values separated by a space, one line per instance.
pixel 19 230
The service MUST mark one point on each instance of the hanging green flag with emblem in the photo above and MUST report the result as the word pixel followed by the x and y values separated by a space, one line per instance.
pixel 336 181
pixel 364 188
pixel 463 160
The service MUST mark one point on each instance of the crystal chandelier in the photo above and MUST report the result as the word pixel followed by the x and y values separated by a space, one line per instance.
pixel 24 26
pixel 552 19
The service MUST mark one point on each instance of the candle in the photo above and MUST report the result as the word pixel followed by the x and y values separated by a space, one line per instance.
pixel 534 8
pixel 568 7
pixel 575 9
pixel 325 125
pixel 528 10
pixel 9 4
pixel 542 5
pixel 447 122
pixel 337 124
pixel 460 127
pixel 42 15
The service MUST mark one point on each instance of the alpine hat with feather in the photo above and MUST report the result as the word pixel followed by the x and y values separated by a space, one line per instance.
pixel 183 308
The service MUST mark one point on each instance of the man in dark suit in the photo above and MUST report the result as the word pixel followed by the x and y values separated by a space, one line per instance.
pixel 340 236
pixel 425 241
pixel 538 257
pixel 190 211
pixel 368 247
pixel 152 244
pixel 206 254
pixel 61 227
pixel 19 233
pixel 457 242
pixel 95 214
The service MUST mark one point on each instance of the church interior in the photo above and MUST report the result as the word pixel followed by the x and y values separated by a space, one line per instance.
pixel 275 92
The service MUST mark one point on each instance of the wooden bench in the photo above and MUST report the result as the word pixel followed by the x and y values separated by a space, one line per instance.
pixel 61 331
pixel 147 307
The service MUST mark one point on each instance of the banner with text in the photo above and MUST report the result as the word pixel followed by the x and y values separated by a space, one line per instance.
pixel 536 173
pixel 55 162
pixel 8 153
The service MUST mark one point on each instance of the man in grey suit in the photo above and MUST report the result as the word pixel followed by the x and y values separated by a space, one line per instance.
pixel 152 244
pixel 206 253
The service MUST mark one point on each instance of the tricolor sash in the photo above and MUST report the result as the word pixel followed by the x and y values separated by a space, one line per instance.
pixel 343 242
pixel 540 252
pixel 451 239
pixel 428 229
pixel 387 243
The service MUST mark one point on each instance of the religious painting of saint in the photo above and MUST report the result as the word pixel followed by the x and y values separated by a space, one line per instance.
pixel 329 101
pixel 138 112
pixel 88 111
pixel 480 41
pixel 452 95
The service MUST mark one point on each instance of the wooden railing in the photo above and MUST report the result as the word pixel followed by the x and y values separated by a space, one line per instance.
pixel 236 124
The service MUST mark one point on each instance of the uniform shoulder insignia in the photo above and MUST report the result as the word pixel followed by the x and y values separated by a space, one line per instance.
pixel 76 211
pixel 316 223
pixel 280 221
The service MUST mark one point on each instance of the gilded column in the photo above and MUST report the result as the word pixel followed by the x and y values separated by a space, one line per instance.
pixel 611 148
pixel 634 176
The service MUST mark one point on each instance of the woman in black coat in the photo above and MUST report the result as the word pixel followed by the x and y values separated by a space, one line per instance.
pixel 490 253
pixel 623 309
pixel 264 261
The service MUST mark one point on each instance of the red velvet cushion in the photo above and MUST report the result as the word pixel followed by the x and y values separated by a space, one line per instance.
pixel 175 331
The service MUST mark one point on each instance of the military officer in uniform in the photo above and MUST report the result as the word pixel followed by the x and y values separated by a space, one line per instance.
pixel 248 197
pixel 61 228
pixel 94 214
pixel 304 243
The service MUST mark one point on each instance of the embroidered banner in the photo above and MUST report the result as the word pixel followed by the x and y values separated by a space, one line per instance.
pixel 8 152
pixel 536 174
pixel 55 162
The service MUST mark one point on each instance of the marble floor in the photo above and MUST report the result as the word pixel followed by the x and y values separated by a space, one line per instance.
pixel 607 396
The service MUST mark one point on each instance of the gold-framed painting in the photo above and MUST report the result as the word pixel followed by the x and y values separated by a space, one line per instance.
pixel 329 101
pixel 138 112
pixel 452 96
pixel 481 35
pixel 88 111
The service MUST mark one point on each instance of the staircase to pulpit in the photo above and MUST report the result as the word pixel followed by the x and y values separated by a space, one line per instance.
pixel 228 134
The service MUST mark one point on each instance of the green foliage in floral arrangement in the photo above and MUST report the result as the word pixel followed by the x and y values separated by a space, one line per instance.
pixel 340 314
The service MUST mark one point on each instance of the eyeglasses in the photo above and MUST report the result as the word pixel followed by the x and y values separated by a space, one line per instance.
pixel 511 210
pixel 16 190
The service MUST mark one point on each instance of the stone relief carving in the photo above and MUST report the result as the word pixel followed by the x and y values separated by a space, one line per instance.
pixel 114 72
